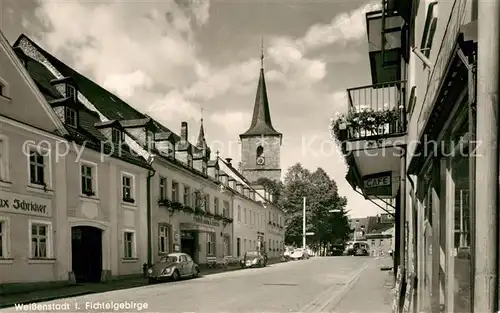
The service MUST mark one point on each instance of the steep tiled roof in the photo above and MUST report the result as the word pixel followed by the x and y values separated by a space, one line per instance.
pixel 86 132
pixel 108 104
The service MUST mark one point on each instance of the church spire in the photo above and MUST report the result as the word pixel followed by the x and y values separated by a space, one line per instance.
pixel 201 142
pixel 261 120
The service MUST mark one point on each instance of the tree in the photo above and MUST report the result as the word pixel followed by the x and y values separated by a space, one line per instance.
pixel 322 196
pixel 273 186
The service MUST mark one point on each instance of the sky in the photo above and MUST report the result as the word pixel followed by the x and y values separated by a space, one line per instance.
pixel 184 59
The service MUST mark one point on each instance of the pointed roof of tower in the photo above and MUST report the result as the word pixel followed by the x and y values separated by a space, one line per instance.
pixel 201 143
pixel 261 120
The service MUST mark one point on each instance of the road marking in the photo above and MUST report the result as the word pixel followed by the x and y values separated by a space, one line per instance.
pixel 325 298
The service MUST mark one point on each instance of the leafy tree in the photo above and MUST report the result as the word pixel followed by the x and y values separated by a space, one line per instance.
pixel 322 196
pixel 273 186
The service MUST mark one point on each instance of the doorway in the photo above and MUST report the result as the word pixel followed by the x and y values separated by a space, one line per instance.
pixel 189 244
pixel 86 251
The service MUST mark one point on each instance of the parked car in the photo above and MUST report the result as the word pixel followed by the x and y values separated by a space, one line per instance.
pixel 173 267
pixel 253 259
pixel 299 254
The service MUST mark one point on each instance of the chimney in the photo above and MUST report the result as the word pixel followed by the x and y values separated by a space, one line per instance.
pixel 184 131
pixel 228 160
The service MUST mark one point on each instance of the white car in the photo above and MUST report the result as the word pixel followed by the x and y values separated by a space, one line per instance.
pixel 299 254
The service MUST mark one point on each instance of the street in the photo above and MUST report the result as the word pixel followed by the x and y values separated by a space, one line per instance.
pixel 314 285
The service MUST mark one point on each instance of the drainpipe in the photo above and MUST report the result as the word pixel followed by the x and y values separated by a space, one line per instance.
pixel 486 215
pixel 151 173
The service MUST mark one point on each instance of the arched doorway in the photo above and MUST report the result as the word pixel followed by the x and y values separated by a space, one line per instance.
pixel 86 251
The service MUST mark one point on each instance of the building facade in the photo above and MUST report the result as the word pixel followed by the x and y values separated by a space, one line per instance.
pixel 83 208
pixel 424 54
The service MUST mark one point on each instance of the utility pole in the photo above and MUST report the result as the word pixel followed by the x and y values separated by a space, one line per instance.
pixel 486 198
pixel 304 225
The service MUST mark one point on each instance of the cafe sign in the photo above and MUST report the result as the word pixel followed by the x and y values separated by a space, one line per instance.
pixel 379 184
pixel 23 204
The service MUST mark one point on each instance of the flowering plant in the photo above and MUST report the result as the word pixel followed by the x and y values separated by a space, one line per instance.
pixel 366 121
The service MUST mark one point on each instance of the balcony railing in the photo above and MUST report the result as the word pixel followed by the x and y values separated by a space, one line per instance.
pixel 376 110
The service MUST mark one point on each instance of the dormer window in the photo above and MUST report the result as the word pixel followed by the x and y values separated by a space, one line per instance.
pixel 70 117
pixel 190 160
pixel 217 174
pixel 204 167
pixel 150 138
pixel 170 149
pixel 116 136
pixel 70 91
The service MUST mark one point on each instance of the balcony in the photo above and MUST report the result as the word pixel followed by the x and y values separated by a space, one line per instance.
pixel 371 136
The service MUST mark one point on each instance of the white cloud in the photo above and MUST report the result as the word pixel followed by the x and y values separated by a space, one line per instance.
pixel 344 27
pixel 112 38
pixel 125 85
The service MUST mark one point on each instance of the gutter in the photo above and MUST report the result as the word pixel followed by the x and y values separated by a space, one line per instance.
pixel 151 173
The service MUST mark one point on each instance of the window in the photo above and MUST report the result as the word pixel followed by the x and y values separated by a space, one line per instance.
pixel 245 245
pixel 163 239
pixel 4 237
pixel 245 215
pixel 4 159
pixel 187 196
pixel 116 136
pixel 170 149
pixel 216 205
pixel 37 168
pixel 254 221
pixel 175 191
pixel 429 29
pixel 128 187
pixel 150 137
pixel 204 167
pixel 40 240
pixel 189 160
pixel 239 213
pixel 163 188
pixel 260 151
pixel 129 244
pixel 270 217
pixel 70 117
pixel 225 211
pixel 270 243
pixel 197 199
pixel 70 91
pixel 210 244
pixel 217 174
pixel 381 242
pixel 89 181
pixel 206 203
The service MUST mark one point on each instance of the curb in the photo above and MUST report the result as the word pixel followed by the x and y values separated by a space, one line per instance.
pixel 87 292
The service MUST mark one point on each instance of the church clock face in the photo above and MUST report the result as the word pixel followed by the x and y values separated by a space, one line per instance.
pixel 261 161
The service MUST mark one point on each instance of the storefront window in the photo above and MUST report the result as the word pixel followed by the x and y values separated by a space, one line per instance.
pixel 462 221
pixel 427 240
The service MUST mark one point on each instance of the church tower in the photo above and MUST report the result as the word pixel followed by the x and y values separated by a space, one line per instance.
pixel 261 143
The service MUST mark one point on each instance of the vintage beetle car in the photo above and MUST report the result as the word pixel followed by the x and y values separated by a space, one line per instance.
pixel 174 267
pixel 252 259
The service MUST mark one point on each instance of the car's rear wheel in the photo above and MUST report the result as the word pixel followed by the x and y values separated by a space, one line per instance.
pixel 196 272
pixel 176 276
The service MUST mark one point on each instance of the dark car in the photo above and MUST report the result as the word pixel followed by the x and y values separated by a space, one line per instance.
pixel 174 267
pixel 253 259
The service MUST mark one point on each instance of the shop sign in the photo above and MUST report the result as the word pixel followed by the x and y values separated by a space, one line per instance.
pixel 379 184
pixel 205 221
pixel 23 204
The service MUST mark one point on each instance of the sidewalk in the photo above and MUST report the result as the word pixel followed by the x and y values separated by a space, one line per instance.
pixel 9 300
pixel 371 292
